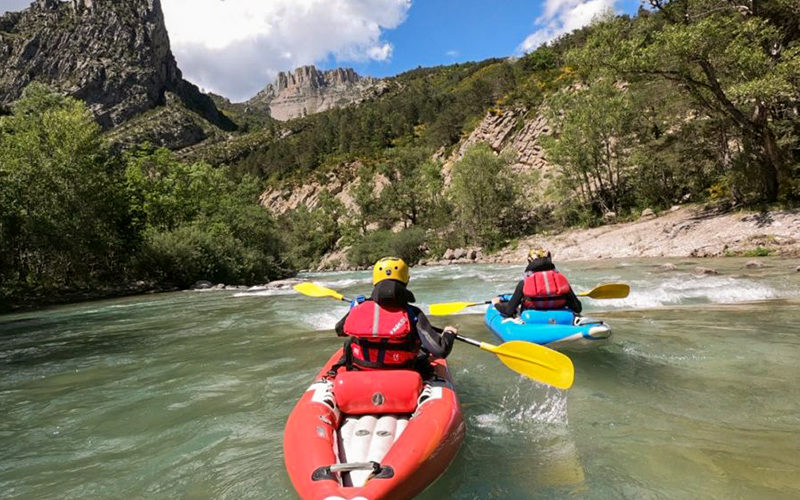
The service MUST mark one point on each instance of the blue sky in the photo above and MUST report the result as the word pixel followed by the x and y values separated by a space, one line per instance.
pixel 236 47
pixel 450 31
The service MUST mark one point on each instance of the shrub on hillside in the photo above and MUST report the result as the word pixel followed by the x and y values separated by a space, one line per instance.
pixel 212 252
pixel 406 244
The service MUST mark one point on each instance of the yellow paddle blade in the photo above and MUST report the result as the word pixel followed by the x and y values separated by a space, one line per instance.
pixel 451 307
pixel 608 291
pixel 535 361
pixel 314 290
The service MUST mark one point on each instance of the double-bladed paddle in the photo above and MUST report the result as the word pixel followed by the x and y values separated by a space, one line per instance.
pixel 531 360
pixel 604 291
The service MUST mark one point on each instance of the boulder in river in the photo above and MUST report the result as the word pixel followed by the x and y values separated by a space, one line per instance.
pixel 202 285
pixel 705 270
pixel 753 264
pixel 459 253
pixel 669 266
pixel 448 254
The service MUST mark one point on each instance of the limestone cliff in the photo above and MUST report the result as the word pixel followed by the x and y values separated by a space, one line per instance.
pixel 113 55
pixel 308 90
pixel 514 132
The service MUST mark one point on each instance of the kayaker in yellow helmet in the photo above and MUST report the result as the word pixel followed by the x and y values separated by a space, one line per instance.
pixel 542 288
pixel 385 331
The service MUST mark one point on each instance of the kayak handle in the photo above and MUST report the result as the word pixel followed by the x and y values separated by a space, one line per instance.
pixel 378 471
pixel 373 466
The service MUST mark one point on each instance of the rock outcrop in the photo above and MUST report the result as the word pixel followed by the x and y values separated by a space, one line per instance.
pixel 308 90
pixel 514 132
pixel 339 184
pixel 113 55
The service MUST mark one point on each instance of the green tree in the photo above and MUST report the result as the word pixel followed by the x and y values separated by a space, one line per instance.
pixel 483 194
pixel 310 233
pixel 408 195
pixel 63 219
pixel 200 222
pixel 595 125
pixel 736 60
pixel 367 203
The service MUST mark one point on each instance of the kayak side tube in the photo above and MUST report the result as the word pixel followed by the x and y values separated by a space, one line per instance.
pixel 558 328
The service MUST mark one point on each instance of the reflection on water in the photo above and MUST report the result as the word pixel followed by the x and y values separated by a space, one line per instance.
pixel 186 394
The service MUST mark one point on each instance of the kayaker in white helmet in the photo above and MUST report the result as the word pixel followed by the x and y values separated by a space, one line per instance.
pixel 385 331
pixel 543 288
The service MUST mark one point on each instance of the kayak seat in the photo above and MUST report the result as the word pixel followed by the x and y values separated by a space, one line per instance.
pixel 551 317
pixel 377 391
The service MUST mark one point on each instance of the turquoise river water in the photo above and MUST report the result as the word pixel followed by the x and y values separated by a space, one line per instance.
pixel 184 395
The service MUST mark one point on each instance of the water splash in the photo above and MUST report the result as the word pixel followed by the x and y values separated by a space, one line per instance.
pixel 524 404
pixel 691 289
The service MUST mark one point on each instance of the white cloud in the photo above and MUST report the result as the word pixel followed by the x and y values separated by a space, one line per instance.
pixel 564 16
pixel 451 53
pixel 236 47
pixel 380 53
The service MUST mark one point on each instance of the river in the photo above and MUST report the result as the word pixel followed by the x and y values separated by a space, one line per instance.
pixel 184 395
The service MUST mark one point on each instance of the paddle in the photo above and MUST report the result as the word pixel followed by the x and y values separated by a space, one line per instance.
pixel 531 360
pixel 453 307
pixel 608 291
pixel 605 291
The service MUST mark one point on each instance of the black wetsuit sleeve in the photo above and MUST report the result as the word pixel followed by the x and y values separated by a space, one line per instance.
pixel 340 326
pixel 510 308
pixel 573 302
pixel 433 340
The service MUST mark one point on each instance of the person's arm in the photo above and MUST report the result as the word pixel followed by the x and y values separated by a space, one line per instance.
pixel 340 326
pixel 510 308
pixel 436 341
pixel 573 302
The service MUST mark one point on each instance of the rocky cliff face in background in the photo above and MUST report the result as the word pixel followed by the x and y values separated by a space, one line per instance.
pixel 513 132
pixel 308 90
pixel 114 55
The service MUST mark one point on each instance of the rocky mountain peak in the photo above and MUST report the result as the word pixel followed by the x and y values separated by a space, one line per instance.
pixel 309 77
pixel 308 90
pixel 113 55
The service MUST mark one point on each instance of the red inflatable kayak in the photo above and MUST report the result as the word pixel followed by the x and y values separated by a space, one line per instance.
pixel 370 435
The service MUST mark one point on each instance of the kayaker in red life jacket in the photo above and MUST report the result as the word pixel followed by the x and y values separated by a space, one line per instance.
pixel 543 288
pixel 385 331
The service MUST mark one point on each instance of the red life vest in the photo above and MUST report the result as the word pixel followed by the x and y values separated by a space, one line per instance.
pixel 545 290
pixel 381 337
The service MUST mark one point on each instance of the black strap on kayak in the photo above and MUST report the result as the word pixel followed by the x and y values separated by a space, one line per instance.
pixel 329 472
pixel 345 360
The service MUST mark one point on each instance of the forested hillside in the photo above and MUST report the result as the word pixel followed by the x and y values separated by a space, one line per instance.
pixel 690 100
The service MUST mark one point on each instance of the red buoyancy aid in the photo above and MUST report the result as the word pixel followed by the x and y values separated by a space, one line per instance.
pixel 545 290
pixel 382 337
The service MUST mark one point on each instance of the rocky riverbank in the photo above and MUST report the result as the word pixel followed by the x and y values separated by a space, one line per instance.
pixel 685 231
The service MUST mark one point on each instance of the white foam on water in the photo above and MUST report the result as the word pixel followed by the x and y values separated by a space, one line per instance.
pixel 668 358
pixel 692 289
pixel 265 293
pixel 524 405
pixel 320 320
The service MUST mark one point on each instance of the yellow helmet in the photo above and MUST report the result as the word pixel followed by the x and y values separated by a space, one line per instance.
pixel 538 253
pixel 390 268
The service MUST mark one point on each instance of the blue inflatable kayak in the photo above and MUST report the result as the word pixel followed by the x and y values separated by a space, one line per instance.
pixel 555 328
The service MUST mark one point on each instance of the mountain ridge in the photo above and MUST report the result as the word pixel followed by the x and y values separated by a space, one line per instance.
pixel 307 90
pixel 114 56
